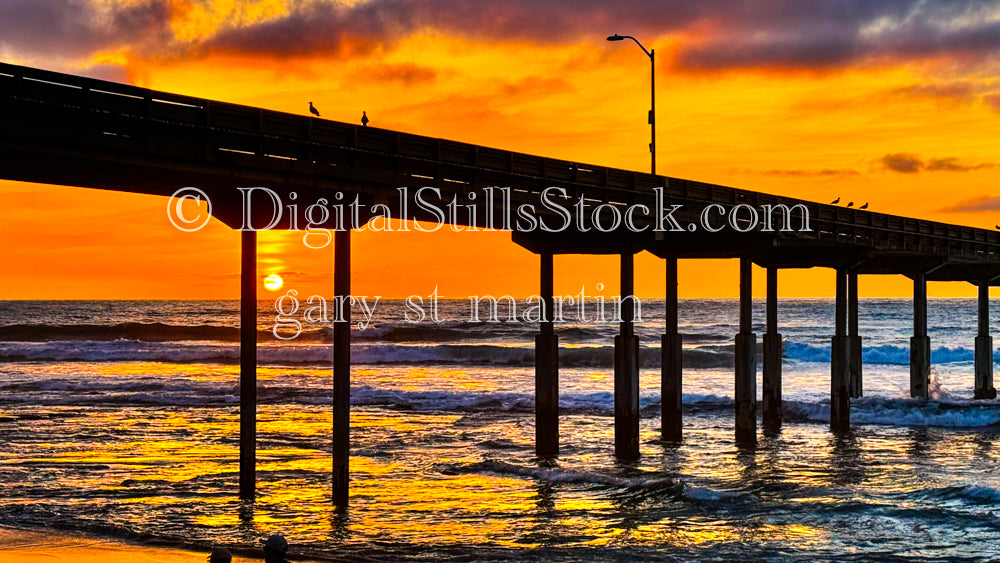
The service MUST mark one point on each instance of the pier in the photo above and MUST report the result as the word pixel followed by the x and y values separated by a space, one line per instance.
pixel 74 131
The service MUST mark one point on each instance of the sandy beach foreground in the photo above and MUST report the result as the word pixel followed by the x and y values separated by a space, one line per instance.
pixel 17 546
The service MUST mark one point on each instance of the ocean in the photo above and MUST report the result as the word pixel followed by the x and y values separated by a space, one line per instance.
pixel 119 418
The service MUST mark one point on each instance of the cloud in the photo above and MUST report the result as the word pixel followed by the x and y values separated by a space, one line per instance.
pixel 906 163
pixel 953 164
pixel 721 33
pixel 712 34
pixel 959 91
pixel 305 277
pixel 407 74
pixel 829 34
pixel 976 205
pixel 798 172
pixel 78 28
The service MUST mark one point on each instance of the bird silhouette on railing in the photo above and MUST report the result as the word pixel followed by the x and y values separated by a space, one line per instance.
pixel 850 204
pixel 865 206
pixel 313 110
pixel 835 202
pixel 364 119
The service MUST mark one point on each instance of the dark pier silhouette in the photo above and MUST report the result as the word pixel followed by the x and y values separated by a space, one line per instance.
pixel 68 130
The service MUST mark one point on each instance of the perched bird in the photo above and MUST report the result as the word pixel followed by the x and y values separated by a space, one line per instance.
pixel 998 227
pixel 835 202
pixel 850 204
pixel 313 110
pixel 364 119
pixel 865 206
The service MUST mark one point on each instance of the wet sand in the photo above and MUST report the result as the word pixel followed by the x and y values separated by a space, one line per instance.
pixel 18 546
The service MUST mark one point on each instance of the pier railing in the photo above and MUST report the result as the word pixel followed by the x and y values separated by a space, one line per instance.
pixel 64 110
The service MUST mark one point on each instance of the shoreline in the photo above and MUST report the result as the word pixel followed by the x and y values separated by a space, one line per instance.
pixel 26 545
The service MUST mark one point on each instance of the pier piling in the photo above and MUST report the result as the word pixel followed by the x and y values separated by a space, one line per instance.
pixel 627 370
pixel 248 364
pixel 746 364
pixel 671 370
pixel 342 369
pixel 855 383
pixel 771 397
pixel 547 370
pixel 920 343
pixel 840 398
pixel 984 347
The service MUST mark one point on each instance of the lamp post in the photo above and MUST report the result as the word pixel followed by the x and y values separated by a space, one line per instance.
pixel 652 96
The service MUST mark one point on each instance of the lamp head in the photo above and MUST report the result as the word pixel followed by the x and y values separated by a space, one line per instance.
pixel 615 37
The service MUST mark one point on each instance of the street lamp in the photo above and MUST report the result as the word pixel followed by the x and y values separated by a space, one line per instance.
pixel 652 89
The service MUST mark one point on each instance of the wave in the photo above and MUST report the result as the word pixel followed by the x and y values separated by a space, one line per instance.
pixel 151 391
pixel 969 493
pixel 455 343
pixel 160 332
pixel 387 332
pixel 904 412
pixel 361 353
pixel 159 392
pixel 147 332
pixel 885 354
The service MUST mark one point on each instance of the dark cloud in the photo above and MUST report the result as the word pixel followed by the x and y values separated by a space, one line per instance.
pixel 77 28
pixel 826 34
pixel 907 163
pixel 954 165
pixel 902 162
pixel 305 277
pixel 960 91
pixel 407 74
pixel 731 33
pixel 798 172
pixel 976 205
pixel 720 34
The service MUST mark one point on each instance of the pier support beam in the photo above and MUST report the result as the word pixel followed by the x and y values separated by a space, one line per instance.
pixel 547 370
pixel 855 385
pixel 248 364
pixel 984 347
pixel 670 363
pixel 840 398
pixel 746 364
pixel 920 343
pixel 772 357
pixel 627 370
pixel 342 368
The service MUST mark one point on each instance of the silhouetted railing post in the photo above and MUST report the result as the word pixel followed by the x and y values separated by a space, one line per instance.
pixel 342 368
pixel 248 364
pixel 671 374
pixel 984 347
pixel 746 363
pixel 547 369
pixel 771 396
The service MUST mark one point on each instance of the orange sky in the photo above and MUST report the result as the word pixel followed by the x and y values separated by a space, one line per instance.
pixel 877 116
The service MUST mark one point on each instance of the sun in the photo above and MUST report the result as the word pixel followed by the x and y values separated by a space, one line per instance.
pixel 273 282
